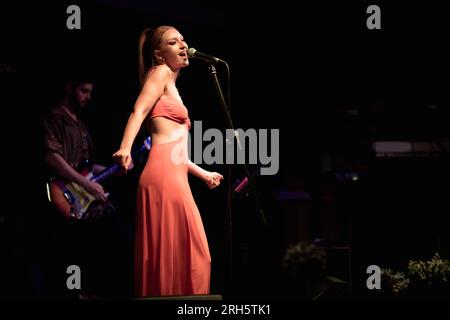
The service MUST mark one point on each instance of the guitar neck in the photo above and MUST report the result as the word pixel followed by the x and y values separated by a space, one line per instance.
pixel 115 168
pixel 105 173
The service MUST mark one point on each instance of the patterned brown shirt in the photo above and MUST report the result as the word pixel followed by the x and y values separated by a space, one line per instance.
pixel 67 137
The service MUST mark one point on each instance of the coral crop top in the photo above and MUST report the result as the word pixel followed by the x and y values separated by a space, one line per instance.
pixel 171 109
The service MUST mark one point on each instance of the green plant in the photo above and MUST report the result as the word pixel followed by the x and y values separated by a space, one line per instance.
pixel 423 279
pixel 394 282
pixel 305 265
pixel 433 270
pixel 429 279
pixel 304 257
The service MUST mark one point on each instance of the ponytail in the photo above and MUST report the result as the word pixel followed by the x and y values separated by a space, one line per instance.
pixel 145 54
pixel 149 41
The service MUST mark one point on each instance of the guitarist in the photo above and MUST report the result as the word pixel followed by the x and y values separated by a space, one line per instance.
pixel 86 243
pixel 68 145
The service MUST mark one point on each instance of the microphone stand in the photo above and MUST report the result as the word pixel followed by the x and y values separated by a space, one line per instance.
pixel 246 170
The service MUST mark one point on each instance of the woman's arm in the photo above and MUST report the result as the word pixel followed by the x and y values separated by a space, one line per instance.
pixel 151 91
pixel 212 179
pixel 197 171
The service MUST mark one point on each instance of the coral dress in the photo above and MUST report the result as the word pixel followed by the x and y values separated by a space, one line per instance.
pixel 171 250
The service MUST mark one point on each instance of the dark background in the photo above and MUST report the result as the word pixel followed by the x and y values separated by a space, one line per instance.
pixel 314 71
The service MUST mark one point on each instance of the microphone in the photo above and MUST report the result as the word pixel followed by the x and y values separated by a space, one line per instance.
pixel 193 53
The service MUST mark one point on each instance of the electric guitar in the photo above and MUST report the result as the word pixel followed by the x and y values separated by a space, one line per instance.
pixel 71 199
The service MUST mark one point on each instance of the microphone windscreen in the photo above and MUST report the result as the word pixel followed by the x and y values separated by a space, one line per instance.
pixel 191 52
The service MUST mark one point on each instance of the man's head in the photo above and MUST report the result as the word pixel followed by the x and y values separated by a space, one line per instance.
pixel 79 91
pixel 80 95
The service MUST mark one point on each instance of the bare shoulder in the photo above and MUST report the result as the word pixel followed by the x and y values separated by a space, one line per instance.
pixel 156 78
pixel 160 72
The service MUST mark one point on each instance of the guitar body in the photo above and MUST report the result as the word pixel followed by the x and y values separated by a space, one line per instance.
pixel 72 200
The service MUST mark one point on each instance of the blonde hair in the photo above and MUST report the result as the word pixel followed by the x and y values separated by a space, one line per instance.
pixel 149 41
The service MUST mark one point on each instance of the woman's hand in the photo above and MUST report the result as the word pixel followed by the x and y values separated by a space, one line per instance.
pixel 213 179
pixel 123 159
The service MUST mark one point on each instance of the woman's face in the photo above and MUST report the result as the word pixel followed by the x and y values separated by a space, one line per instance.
pixel 173 50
